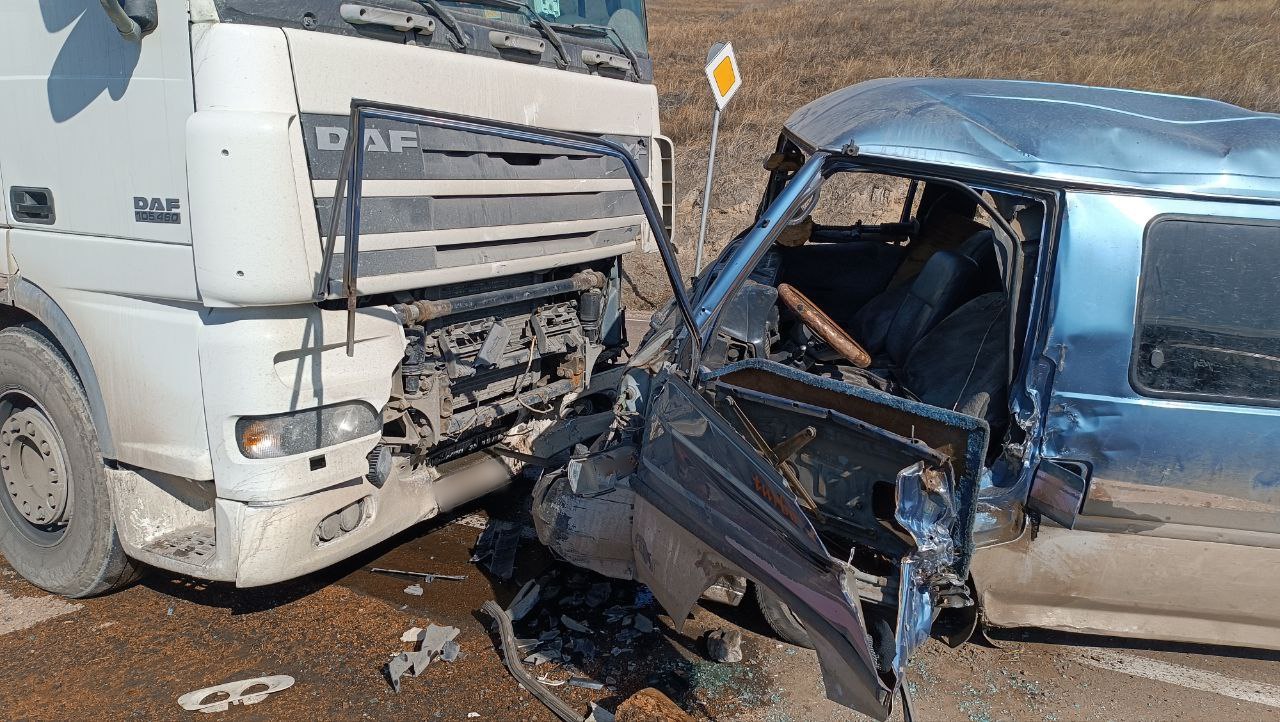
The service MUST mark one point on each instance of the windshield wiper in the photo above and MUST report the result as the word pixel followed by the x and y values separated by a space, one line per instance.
pixel 601 31
pixel 456 37
pixel 535 20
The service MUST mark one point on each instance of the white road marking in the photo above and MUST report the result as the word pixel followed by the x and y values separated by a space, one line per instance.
pixel 1189 677
pixel 19 613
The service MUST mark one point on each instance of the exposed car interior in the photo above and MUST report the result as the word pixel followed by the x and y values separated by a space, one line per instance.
pixel 919 307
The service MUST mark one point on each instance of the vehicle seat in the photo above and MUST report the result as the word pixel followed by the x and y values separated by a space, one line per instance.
pixel 890 324
pixel 963 363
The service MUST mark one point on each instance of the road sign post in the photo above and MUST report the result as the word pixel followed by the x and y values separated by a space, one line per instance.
pixel 725 79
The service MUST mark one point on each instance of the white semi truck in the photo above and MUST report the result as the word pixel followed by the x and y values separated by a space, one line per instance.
pixel 179 382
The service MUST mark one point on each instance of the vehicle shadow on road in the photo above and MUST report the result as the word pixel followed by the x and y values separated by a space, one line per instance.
pixel 226 595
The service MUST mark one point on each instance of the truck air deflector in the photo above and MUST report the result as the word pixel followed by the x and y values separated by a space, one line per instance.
pixel 351 173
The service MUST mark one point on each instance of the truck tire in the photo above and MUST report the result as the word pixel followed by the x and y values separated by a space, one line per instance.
pixel 780 617
pixel 56 525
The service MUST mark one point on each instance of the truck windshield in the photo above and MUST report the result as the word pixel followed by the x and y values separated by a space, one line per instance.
pixel 625 17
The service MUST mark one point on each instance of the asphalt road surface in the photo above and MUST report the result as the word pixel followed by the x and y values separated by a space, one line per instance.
pixel 132 654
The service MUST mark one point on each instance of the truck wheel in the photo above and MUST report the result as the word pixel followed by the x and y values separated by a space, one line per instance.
pixel 780 617
pixel 56 526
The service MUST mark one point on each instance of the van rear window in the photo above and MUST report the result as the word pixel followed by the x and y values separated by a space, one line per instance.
pixel 1208 321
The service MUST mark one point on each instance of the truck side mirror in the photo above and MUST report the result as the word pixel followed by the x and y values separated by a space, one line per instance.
pixel 133 18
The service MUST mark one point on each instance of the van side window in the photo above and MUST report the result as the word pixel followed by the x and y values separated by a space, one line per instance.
pixel 1208 321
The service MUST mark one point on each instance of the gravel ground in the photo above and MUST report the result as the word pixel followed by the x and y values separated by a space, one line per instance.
pixel 132 654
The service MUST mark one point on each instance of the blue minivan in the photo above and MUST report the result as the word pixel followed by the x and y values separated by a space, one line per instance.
pixel 1035 382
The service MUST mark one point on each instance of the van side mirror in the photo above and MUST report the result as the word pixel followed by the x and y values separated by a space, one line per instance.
pixel 133 18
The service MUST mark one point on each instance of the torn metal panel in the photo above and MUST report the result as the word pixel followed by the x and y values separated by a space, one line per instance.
pixel 706 500
pixel 926 510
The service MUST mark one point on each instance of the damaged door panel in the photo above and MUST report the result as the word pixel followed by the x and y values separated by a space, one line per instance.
pixel 710 503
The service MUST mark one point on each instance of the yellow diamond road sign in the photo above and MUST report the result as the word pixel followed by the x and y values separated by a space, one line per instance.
pixel 722 73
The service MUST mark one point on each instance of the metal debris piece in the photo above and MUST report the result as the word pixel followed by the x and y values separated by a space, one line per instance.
pixel 599 714
pixel 424 576
pixel 643 624
pixel 413 590
pixel 584 683
pixel 472 715
pixel 523 644
pixel 549 635
pixel 725 645
pixel 526 599
pixel 599 594
pixel 412 634
pixel 510 657
pixel 452 651
pixel 231 693
pixel 574 624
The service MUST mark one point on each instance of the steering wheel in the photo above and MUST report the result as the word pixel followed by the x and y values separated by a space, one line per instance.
pixel 820 323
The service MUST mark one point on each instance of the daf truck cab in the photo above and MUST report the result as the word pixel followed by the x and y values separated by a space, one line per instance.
pixel 194 377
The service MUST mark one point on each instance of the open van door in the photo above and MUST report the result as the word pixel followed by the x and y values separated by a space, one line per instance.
pixel 809 488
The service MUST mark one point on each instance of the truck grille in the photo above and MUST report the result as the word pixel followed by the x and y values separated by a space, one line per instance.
pixel 444 199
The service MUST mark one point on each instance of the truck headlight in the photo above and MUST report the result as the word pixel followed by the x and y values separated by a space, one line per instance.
pixel 297 432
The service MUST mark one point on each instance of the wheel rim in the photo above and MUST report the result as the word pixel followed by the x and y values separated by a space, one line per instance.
pixel 33 471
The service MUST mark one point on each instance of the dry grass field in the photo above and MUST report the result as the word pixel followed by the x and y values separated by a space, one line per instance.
pixel 793 52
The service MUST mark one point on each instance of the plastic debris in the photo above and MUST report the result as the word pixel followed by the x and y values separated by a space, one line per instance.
pixel 544 679
pixel 497 547
pixel 584 647
pixel 225 695
pixel 396 669
pixel 537 658
pixel 574 624
pixel 525 601
pixel 433 642
pixel 725 645
pixel 598 594
pixel 413 590
pixel 472 715
pixel 644 598
pixel 436 636
pixel 599 714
